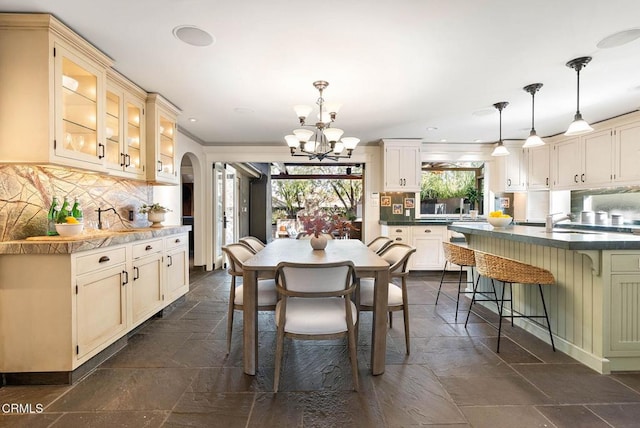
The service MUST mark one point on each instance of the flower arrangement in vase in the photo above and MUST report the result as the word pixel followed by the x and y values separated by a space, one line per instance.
pixel 155 213
pixel 319 223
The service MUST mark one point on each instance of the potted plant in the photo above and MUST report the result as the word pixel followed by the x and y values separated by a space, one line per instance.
pixel 155 213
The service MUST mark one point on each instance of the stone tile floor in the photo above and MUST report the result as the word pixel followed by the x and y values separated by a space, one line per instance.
pixel 174 372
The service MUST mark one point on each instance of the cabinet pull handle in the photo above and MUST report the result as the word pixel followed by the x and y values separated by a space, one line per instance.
pixel 101 150
pixel 148 247
pixel 547 181
pixel 170 261
pixel 126 278
pixel 575 178
pixel 127 162
pixel 427 231
pixel 509 182
pixel 123 159
pixel 398 230
pixel 401 181
pixel 159 166
pixel 398 239
pixel 582 178
pixel 103 259
pixel 177 241
pixel 136 273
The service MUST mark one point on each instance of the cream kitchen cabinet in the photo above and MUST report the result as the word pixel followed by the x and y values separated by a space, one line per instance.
pixel 427 241
pixel 74 305
pixel 515 170
pixel 627 147
pixel 584 161
pixel 146 282
pixel 100 301
pixel 397 233
pixel 176 261
pixel 539 168
pixel 402 165
pixel 161 140
pixel 53 94
pixel 124 128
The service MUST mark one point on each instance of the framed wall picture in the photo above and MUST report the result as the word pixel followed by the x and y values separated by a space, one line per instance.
pixel 397 208
pixel 385 201
pixel 409 202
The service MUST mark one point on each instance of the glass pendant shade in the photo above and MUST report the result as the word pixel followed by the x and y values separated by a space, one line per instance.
pixel 333 134
pixel 292 141
pixel 350 143
pixel 500 150
pixel 579 126
pixel 302 110
pixel 533 140
pixel 303 135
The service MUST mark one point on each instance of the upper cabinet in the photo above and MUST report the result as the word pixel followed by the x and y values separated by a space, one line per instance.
pixel 125 128
pixel 515 170
pixel 402 164
pixel 627 147
pixel 539 168
pixel 161 140
pixel 53 94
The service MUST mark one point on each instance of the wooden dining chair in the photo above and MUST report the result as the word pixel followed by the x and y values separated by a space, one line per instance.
pixel 397 255
pixel 253 242
pixel 316 304
pixel 378 244
pixel 237 254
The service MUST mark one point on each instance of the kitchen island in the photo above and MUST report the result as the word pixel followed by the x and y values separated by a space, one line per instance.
pixel 594 308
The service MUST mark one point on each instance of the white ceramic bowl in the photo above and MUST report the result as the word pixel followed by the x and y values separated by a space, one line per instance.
pixel 69 229
pixel 499 221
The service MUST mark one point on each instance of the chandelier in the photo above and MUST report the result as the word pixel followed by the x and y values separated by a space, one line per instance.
pixel 326 142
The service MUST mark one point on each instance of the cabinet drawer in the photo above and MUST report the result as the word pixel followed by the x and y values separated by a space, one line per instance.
pixel 171 242
pixel 425 231
pixel 148 247
pixel 625 262
pixel 100 260
pixel 399 234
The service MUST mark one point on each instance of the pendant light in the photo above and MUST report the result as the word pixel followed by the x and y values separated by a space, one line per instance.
pixel 579 126
pixel 533 140
pixel 500 149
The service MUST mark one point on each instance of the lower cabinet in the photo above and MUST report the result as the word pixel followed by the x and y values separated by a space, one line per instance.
pixel 57 316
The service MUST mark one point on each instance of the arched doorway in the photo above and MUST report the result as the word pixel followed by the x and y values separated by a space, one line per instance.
pixel 192 214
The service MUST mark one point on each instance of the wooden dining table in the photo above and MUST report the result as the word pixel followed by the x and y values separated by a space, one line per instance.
pixel 367 264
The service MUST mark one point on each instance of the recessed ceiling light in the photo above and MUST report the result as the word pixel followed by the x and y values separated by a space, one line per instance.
pixel 618 39
pixel 243 110
pixel 192 35
pixel 193 119
pixel 477 141
pixel 432 128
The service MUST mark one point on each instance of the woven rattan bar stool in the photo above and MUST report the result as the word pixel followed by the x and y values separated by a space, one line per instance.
pixel 463 257
pixel 510 272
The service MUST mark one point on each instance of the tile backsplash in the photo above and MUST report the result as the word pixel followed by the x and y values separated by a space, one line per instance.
pixel 396 206
pixel 26 192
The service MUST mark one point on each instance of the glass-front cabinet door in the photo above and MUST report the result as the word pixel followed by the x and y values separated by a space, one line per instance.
pixel 161 140
pixel 134 137
pixel 78 100
pixel 124 128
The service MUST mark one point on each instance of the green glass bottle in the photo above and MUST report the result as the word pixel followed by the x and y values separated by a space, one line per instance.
pixel 52 217
pixel 64 211
pixel 76 211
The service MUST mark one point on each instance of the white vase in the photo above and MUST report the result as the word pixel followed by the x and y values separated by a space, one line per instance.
pixel 156 218
pixel 318 243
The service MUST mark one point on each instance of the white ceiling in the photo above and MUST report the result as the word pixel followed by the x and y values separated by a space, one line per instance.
pixel 398 67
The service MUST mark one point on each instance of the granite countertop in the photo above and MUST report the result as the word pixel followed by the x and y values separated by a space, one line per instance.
pixel 566 238
pixel 87 240
pixel 434 221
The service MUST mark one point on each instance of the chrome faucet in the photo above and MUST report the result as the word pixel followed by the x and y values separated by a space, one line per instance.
pixel 551 221
pixel 100 211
